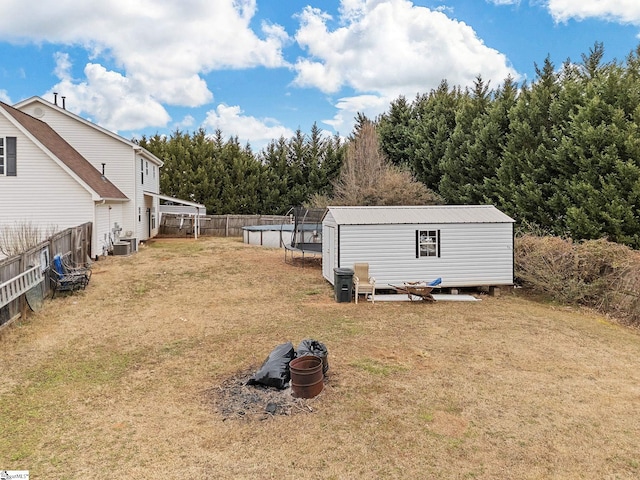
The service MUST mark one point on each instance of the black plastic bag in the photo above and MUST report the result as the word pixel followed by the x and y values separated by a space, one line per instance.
pixel 274 372
pixel 315 348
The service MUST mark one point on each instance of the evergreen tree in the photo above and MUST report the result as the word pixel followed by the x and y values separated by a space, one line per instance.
pixel 562 153
pixel 525 182
pixel 462 165
pixel 396 133
pixel 600 183
pixel 433 121
pixel 276 199
pixel 302 167
pixel 490 141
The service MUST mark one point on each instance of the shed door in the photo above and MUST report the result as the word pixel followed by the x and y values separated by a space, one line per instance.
pixel 329 252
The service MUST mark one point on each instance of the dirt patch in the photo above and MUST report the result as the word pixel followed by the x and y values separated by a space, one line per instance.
pixel 448 424
pixel 234 399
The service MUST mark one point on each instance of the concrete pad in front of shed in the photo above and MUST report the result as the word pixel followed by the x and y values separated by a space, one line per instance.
pixel 440 297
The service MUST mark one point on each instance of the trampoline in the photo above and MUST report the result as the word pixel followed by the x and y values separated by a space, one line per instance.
pixel 306 236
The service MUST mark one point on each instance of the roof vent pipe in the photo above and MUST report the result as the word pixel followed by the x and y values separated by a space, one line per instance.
pixel 55 98
pixel 103 177
pixel 63 102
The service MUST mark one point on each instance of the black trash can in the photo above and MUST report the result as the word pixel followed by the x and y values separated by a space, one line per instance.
pixel 343 284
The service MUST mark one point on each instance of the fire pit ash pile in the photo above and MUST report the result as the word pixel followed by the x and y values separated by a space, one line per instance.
pixel 267 392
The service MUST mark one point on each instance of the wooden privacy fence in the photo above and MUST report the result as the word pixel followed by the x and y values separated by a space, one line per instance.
pixel 20 273
pixel 177 225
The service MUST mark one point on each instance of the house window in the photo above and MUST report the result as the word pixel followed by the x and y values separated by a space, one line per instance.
pixel 8 156
pixel 146 170
pixel 427 243
pixel 142 171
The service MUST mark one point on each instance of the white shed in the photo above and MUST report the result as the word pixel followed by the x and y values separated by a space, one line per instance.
pixel 467 246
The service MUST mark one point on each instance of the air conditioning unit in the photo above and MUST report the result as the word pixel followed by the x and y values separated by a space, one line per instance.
pixel 122 248
pixel 133 242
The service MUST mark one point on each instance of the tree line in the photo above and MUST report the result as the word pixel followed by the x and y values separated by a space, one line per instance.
pixel 228 178
pixel 560 155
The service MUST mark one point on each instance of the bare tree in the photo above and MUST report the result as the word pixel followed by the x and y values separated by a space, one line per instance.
pixel 368 178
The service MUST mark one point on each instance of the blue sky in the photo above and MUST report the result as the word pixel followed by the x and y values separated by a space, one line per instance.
pixel 262 69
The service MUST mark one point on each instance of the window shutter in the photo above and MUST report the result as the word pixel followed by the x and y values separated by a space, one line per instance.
pixel 11 156
pixel 417 243
pixel 438 243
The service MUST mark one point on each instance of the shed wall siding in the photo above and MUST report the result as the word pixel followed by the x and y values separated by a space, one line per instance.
pixel 470 254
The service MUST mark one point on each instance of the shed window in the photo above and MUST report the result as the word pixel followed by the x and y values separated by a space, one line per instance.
pixel 427 243
pixel 8 156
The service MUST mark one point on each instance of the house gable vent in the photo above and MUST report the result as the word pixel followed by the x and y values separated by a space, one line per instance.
pixel 38 112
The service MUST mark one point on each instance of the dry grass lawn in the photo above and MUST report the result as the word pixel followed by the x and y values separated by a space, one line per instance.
pixel 119 381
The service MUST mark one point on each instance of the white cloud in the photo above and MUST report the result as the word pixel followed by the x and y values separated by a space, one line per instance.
pixel 504 2
pixel 63 66
pixel 390 48
pixel 258 132
pixel 160 49
pixel 187 122
pixel 348 107
pixel 4 97
pixel 623 11
pixel 384 49
pixel 444 9
pixel 108 98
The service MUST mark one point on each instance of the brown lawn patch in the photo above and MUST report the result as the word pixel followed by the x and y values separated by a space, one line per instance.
pixel 141 374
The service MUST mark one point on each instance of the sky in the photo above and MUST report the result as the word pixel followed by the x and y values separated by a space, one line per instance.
pixel 262 69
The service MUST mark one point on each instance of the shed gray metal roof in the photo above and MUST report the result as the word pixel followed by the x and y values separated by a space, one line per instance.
pixel 422 214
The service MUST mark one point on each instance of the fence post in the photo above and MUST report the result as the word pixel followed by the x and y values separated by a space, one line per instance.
pixel 226 229
pixel 23 298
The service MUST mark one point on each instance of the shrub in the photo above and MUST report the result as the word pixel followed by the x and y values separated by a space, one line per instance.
pixel 595 273
pixel 20 237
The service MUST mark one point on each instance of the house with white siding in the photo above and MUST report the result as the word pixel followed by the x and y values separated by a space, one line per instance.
pixel 466 246
pixel 60 170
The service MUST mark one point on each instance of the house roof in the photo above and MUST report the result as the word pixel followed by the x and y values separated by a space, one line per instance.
pixel 145 153
pixel 50 141
pixel 427 214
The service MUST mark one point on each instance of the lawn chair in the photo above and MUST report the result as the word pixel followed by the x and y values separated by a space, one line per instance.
pixel 363 282
pixel 70 267
pixel 63 280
